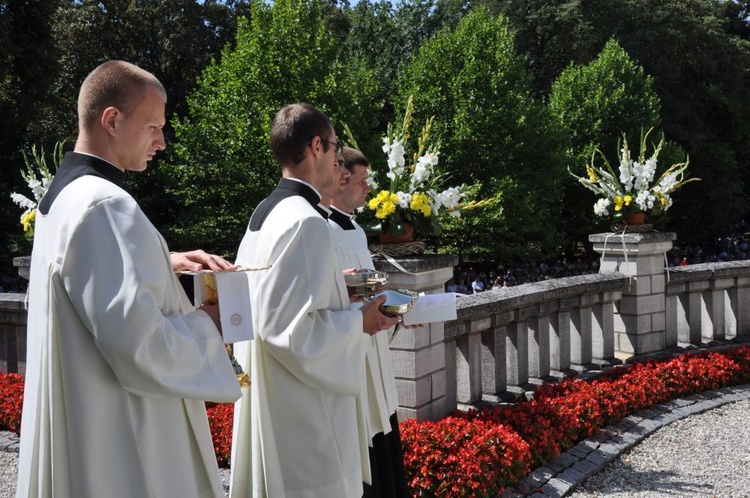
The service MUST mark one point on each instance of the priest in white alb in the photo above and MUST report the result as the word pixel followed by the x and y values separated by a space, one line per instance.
pixel 119 363
pixel 295 430
pixel 379 400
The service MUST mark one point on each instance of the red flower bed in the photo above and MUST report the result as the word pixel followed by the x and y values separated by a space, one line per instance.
pixel 221 418
pixel 458 457
pixel 11 401
pixel 481 452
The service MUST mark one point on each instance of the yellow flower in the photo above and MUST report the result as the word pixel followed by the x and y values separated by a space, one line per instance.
pixel 618 202
pixel 628 199
pixel 385 209
pixel 592 175
pixel 421 202
pixel 27 220
pixel 383 204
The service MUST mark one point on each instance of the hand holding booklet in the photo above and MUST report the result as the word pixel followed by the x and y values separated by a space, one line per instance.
pixel 234 305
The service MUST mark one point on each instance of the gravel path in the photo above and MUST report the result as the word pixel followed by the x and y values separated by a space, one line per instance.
pixel 705 455
pixel 8 474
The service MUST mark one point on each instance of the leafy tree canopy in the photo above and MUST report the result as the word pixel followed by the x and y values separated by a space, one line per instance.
pixel 493 132
pixel 223 166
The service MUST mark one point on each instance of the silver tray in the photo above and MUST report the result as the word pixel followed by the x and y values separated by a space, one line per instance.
pixel 397 302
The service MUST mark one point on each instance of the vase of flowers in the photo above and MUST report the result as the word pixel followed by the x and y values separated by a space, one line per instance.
pixel 38 177
pixel 631 194
pixel 414 197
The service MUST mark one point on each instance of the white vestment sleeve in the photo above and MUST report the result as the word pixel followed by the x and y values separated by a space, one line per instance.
pixel 119 298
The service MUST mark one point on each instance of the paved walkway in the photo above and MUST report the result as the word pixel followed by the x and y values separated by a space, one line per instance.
pixel 620 471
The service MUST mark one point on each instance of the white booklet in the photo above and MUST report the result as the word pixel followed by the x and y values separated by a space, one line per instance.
pixel 429 308
pixel 234 302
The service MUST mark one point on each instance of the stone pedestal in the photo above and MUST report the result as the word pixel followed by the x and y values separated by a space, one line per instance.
pixel 23 263
pixel 418 354
pixel 639 320
pixel 13 324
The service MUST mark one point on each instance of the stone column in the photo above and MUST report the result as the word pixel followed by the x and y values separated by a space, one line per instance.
pixel 419 354
pixel 13 324
pixel 639 319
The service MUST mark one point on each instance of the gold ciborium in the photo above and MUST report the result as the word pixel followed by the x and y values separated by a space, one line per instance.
pixel 363 283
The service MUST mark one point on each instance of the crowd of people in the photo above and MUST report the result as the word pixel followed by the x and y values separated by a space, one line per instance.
pixel 731 248
pixel 475 278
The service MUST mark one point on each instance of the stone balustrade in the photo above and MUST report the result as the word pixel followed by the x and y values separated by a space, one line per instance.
pixel 708 302
pixel 506 341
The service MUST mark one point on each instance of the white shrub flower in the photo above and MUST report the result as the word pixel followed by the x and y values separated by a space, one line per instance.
pixel 601 207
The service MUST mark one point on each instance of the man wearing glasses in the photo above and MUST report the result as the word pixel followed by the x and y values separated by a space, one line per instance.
pixel 295 431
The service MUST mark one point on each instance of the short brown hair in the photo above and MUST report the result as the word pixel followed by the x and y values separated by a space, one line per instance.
pixel 117 84
pixel 353 157
pixel 293 128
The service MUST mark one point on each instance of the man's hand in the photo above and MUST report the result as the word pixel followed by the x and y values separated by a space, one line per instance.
pixel 212 310
pixel 374 320
pixel 198 260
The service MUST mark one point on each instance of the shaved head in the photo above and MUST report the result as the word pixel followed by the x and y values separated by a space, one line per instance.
pixel 113 84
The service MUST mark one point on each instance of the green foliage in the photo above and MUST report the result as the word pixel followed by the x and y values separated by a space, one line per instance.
pixel 492 132
pixel 596 103
pixel 223 165
pixel 679 42
pixel 383 39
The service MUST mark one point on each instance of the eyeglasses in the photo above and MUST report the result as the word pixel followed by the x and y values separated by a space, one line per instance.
pixel 338 144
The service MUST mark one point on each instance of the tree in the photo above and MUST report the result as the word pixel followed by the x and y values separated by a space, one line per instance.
pixel 493 132
pixel 678 43
pixel 223 166
pixel 596 103
pixel 173 39
pixel 383 39
pixel 27 63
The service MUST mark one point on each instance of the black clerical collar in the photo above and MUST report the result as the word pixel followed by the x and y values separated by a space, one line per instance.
pixel 74 166
pixel 287 187
pixel 307 191
pixel 342 219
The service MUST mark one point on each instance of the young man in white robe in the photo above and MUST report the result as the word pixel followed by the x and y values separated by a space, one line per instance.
pixel 295 430
pixel 379 400
pixel 119 363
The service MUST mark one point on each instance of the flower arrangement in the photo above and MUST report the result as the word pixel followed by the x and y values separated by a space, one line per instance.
pixel 413 195
pixel 480 453
pixel 38 177
pixel 633 190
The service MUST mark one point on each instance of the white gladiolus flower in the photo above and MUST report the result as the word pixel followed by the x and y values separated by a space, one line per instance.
pixel 23 201
pixel 626 175
pixel 601 208
pixel 649 169
pixel 396 156
pixel 448 198
pixel 667 183
pixel 371 180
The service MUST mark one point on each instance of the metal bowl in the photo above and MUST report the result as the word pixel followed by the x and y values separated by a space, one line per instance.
pixel 398 302
pixel 366 281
